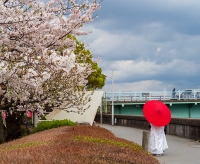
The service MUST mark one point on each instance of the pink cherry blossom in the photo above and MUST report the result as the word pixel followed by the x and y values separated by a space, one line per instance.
pixel 34 71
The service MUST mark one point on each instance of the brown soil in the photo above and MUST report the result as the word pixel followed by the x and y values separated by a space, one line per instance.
pixel 74 145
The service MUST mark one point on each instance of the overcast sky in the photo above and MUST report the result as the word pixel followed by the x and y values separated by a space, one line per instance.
pixel 151 45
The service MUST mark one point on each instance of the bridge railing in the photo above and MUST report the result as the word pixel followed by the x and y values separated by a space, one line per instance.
pixel 163 95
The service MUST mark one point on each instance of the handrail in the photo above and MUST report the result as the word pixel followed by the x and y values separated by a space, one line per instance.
pixel 162 95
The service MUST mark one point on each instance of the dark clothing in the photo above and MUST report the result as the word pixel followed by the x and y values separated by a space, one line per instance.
pixel 173 93
pixel 165 130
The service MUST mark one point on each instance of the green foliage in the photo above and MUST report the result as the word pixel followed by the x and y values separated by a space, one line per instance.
pixel 24 131
pixel 133 146
pixel 43 117
pixel 44 125
pixel 96 80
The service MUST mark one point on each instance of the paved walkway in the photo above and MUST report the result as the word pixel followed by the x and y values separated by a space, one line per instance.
pixel 181 150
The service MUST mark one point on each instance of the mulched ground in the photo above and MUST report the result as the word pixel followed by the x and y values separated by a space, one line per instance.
pixel 74 145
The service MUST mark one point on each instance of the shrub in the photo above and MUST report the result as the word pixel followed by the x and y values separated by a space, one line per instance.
pixel 24 131
pixel 43 117
pixel 44 125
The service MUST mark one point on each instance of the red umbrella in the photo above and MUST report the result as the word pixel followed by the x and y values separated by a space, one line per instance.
pixel 157 113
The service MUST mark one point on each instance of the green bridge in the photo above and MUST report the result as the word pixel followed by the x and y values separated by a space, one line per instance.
pixel 182 104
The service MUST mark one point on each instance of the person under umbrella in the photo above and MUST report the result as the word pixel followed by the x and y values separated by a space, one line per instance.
pixel 157 140
pixel 158 115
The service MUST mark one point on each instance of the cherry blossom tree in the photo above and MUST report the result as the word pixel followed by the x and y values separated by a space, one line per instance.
pixel 34 71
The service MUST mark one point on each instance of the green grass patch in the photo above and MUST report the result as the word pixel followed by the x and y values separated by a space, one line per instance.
pixel 25 145
pixel 44 125
pixel 133 146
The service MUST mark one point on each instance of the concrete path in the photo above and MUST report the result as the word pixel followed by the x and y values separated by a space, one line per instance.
pixel 181 150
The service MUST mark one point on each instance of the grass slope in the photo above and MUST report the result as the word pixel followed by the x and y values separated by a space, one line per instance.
pixel 74 145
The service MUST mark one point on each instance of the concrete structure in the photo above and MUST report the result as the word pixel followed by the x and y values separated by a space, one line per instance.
pixel 128 107
pixel 131 103
pixel 88 116
pixel 145 140
pixel 182 127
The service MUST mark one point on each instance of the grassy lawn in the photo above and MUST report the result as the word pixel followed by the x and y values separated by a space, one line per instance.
pixel 74 145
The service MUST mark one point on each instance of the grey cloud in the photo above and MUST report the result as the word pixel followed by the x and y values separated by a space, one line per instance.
pixel 159 31
pixel 130 15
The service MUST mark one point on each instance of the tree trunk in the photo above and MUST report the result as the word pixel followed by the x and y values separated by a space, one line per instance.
pixel 14 123
pixel 2 130
pixel 13 127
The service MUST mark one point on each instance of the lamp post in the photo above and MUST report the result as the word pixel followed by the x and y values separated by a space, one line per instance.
pixel 112 98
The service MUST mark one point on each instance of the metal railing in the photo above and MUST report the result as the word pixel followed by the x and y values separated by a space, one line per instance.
pixel 163 95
